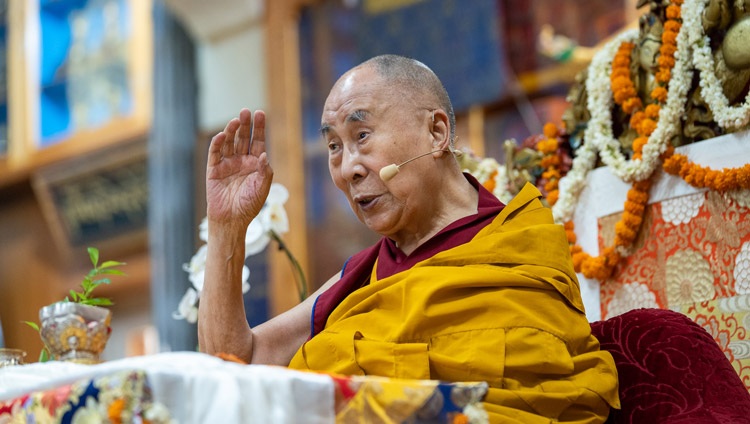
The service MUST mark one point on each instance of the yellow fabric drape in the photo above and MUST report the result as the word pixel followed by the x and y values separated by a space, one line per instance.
pixel 503 308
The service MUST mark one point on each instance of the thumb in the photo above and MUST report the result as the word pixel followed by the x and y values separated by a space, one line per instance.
pixel 264 167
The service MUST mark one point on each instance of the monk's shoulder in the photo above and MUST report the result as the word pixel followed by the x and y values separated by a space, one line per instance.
pixel 525 209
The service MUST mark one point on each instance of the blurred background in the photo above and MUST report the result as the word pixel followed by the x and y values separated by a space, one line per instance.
pixel 107 108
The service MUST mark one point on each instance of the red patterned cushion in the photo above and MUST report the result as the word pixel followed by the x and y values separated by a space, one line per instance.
pixel 671 371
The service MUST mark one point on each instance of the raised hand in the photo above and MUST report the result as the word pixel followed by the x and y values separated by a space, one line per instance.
pixel 238 175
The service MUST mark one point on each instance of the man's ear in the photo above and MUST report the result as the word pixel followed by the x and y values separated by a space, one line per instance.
pixel 440 129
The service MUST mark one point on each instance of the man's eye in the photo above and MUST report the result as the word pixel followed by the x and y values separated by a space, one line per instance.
pixel 362 135
pixel 332 147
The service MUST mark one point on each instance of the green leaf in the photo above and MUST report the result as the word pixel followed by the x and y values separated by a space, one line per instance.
pixel 44 355
pixel 32 324
pixel 109 264
pixel 111 272
pixel 94 255
pixel 90 281
pixel 98 301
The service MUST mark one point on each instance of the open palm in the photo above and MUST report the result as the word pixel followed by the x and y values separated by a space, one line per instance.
pixel 238 175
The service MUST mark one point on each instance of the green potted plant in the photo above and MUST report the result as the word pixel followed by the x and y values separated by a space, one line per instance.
pixel 77 328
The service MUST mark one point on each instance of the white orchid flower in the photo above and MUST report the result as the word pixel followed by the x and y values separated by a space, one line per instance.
pixel 256 238
pixel 272 218
pixel 197 278
pixel 198 261
pixel 203 230
pixel 196 268
pixel 245 279
pixel 187 309
pixel 278 194
pixel 273 215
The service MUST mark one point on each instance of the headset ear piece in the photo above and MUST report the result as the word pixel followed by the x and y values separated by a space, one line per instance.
pixel 456 152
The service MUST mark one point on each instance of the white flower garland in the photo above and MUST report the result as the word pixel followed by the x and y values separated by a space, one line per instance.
pixel 670 113
pixel 485 168
pixel 600 106
pixel 598 137
pixel 726 116
pixel 570 186
pixel 599 98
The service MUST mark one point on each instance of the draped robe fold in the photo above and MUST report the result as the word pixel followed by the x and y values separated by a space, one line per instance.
pixel 504 308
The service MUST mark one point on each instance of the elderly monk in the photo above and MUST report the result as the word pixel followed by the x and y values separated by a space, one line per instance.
pixel 460 287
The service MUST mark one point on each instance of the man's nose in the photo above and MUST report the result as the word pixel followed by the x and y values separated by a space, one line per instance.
pixel 352 168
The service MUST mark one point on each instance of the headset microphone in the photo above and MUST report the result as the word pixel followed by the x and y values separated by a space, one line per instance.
pixel 388 172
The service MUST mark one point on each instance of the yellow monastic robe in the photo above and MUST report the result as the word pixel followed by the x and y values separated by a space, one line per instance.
pixel 504 308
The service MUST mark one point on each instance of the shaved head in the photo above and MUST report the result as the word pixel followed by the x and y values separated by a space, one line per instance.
pixel 416 79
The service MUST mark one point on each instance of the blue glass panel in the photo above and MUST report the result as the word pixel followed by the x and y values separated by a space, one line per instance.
pixel 55 39
pixel 55 114
pixel 83 75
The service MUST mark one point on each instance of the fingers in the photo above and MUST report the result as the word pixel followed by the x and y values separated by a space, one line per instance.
pixel 242 134
pixel 258 144
pixel 214 149
pixel 242 138
pixel 230 131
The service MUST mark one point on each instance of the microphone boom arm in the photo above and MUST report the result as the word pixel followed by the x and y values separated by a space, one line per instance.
pixel 390 171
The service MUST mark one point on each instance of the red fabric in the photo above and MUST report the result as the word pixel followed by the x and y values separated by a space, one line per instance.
pixel 355 275
pixel 671 371
pixel 357 269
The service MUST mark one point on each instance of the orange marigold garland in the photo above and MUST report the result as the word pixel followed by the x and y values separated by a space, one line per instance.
pixel 626 230
pixel 705 177
pixel 602 266
pixel 644 121
pixel 623 89
pixel 646 124
pixel 667 50
pixel 490 184
pixel 114 412
pixel 550 162
pixel 625 95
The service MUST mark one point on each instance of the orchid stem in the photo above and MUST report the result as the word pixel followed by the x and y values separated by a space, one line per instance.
pixel 299 275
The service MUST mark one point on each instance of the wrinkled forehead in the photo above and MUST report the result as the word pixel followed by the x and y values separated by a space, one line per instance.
pixel 359 93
